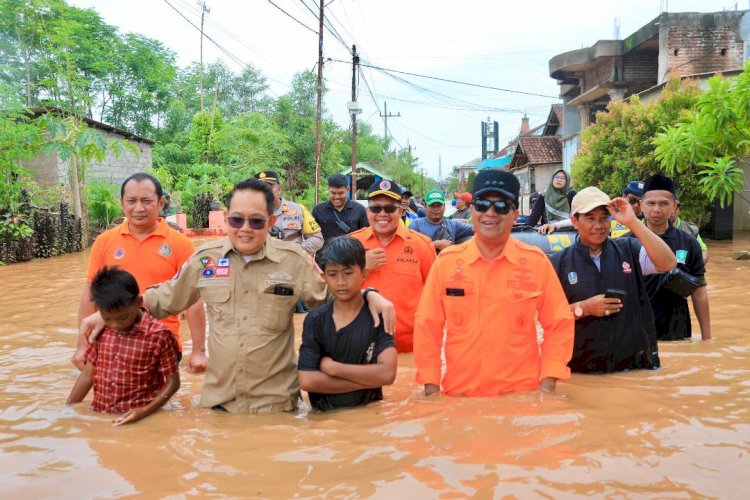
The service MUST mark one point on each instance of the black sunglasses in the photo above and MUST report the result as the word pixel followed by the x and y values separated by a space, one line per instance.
pixel 500 206
pixel 255 222
pixel 389 209
pixel 633 200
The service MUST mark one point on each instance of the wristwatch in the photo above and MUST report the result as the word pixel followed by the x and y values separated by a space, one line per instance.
pixel 578 310
pixel 368 290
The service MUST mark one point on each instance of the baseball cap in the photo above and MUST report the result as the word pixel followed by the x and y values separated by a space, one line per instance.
pixel 405 191
pixel 434 196
pixel 497 181
pixel 634 187
pixel 588 199
pixel 466 197
pixel 386 188
pixel 268 176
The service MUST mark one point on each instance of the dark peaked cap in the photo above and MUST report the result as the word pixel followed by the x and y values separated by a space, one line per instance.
pixel 658 182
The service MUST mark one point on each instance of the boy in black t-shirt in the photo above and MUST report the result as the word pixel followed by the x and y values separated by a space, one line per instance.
pixel 344 360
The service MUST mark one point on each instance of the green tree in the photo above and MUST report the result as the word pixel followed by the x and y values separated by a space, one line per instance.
pixel 619 147
pixel 707 142
pixel 203 134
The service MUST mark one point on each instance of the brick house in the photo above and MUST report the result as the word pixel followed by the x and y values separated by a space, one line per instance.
pixel 673 44
pixel 694 45
pixel 50 170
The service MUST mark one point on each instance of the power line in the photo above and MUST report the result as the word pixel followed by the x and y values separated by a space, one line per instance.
pixel 190 8
pixel 433 140
pixel 231 56
pixel 451 81
pixel 327 25
pixel 293 18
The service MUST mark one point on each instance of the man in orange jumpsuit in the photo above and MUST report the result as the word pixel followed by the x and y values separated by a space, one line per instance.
pixel 398 260
pixel 484 295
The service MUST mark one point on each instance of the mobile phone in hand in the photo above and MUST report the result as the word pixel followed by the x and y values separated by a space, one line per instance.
pixel 614 293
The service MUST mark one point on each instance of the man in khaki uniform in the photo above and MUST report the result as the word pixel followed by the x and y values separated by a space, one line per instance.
pixel 250 283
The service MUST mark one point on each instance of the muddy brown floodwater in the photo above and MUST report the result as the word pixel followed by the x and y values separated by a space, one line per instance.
pixel 682 431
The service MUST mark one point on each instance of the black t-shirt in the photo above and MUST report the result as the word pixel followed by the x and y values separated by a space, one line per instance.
pixel 358 343
pixel 329 219
pixel 622 341
pixel 671 311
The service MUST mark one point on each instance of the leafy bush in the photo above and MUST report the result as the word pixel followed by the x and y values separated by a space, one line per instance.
pixel 103 203
pixel 201 208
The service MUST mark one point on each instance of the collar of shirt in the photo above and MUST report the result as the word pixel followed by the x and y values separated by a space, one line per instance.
pixel 138 327
pixel 347 206
pixel 401 232
pixel 162 229
pixel 268 250
pixel 585 252
pixel 511 251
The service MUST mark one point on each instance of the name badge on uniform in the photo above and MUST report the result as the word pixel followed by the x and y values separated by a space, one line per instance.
pixel 572 277
pixel 681 256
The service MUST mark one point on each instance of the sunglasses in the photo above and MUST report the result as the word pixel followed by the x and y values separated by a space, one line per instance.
pixel 501 207
pixel 632 200
pixel 256 223
pixel 389 209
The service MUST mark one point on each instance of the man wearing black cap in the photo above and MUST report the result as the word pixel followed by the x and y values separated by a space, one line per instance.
pixel 398 260
pixel 633 192
pixel 480 302
pixel 603 279
pixel 670 308
pixel 293 221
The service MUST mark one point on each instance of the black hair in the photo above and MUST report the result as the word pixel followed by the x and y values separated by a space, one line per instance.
pixel 254 185
pixel 112 289
pixel 140 177
pixel 337 181
pixel 343 250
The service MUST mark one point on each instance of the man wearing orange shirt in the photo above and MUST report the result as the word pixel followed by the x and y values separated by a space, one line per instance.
pixel 146 247
pixel 398 260
pixel 484 295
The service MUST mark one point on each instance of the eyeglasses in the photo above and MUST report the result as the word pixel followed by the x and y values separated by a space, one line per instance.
pixel 560 178
pixel 633 200
pixel 500 206
pixel 389 209
pixel 256 223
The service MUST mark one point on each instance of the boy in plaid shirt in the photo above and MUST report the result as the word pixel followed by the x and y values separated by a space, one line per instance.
pixel 133 363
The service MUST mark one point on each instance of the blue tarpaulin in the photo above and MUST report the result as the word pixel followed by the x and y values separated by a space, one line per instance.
pixel 503 161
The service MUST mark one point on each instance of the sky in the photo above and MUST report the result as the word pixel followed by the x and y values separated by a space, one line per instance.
pixel 502 44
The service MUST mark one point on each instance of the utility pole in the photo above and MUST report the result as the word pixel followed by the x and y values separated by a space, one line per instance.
pixel 318 143
pixel 354 109
pixel 385 115
pixel 204 10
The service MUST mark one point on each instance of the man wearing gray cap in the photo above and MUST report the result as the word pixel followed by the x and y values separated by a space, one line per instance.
pixel 603 279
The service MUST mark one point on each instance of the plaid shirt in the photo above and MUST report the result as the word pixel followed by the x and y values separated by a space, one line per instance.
pixel 131 367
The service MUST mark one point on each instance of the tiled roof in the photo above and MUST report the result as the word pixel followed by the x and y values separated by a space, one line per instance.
pixel 558 110
pixel 541 149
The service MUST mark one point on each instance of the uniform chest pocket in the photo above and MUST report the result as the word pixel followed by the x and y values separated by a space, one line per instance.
pixel 406 268
pixel 522 308
pixel 276 302
pixel 458 301
pixel 218 304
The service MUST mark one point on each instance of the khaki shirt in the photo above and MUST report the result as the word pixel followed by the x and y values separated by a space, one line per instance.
pixel 252 366
pixel 296 224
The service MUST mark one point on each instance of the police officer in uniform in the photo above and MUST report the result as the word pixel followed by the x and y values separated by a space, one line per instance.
pixel 293 221
pixel 603 280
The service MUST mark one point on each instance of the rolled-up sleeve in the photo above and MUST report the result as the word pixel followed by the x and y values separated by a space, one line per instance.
pixel 174 296
pixel 558 323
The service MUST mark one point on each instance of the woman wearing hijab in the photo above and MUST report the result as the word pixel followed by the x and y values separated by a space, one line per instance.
pixel 553 205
